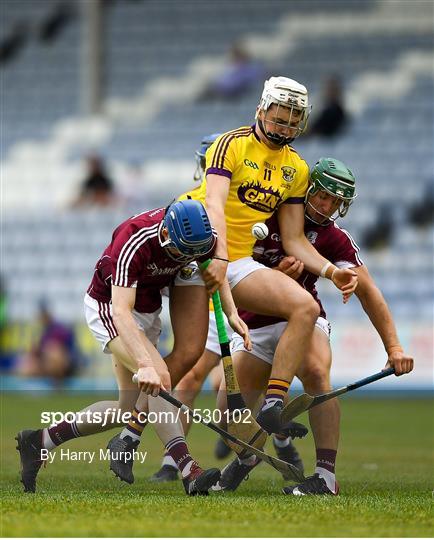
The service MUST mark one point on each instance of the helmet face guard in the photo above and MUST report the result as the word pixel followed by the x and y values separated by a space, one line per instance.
pixel 189 231
pixel 337 180
pixel 295 124
pixel 200 155
pixel 290 96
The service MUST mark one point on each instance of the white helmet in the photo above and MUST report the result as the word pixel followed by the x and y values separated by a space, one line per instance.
pixel 287 93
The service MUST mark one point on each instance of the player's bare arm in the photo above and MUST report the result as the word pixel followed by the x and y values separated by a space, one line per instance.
pixel 123 299
pixel 217 190
pixel 291 225
pixel 379 314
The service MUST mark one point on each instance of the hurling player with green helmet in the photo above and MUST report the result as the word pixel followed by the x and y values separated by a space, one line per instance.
pixel 332 189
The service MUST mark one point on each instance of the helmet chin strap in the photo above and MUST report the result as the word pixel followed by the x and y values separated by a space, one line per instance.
pixel 325 221
pixel 178 258
pixel 273 137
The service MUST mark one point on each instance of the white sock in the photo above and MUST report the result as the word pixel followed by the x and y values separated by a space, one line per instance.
pixel 281 443
pixel 126 432
pixel 47 443
pixel 251 460
pixel 329 478
pixel 186 470
pixel 168 460
pixel 270 402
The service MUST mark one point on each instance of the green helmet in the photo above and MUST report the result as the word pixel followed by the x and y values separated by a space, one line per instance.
pixel 335 178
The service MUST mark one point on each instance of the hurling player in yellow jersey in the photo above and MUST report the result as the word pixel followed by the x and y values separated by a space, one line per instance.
pixel 251 172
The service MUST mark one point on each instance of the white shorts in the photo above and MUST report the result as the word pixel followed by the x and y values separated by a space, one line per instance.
pixel 99 318
pixel 189 275
pixel 212 341
pixel 241 268
pixel 265 339
pixel 236 271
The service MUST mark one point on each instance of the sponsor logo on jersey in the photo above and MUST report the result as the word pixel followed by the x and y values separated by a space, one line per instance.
pixel 288 173
pixel 312 236
pixel 256 196
pixel 251 164
pixel 186 272
pixel 155 271
pixel 269 166
pixel 275 237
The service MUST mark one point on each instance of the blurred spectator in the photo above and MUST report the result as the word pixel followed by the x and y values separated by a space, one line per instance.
pixel 237 78
pixel 380 234
pixel 3 304
pixel 97 188
pixel 11 44
pixel 55 355
pixel 421 214
pixel 132 186
pixel 6 356
pixel 54 23
pixel 332 118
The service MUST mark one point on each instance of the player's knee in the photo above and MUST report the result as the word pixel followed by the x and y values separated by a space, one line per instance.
pixel 316 379
pixel 190 384
pixel 187 354
pixel 179 365
pixel 305 308
pixel 314 310
pixel 189 387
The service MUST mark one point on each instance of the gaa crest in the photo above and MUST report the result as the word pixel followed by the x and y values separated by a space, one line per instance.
pixel 312 236
pixel 288 173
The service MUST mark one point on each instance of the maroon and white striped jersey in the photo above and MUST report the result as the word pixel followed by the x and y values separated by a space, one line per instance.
pixel 332 242
pixel 134 258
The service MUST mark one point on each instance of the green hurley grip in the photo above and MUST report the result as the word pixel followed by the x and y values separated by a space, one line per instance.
pixel 218 310
pixel 220 322
pixel 235 400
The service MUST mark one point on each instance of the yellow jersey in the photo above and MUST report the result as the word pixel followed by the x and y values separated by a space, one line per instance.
pixel 261 179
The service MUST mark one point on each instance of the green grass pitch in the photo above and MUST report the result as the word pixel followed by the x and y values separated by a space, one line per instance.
pixel 385 469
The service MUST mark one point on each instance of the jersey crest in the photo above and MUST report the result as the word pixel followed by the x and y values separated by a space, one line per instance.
pixel 288 173
pixel 186 272
pixel 312 236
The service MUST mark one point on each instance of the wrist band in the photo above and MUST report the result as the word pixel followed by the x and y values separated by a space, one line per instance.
pixel 221 259
pixel 394 348
pixel 325 268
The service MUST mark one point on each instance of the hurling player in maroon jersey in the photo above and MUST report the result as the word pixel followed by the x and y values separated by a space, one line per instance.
pixel 331 191
pixel 147 252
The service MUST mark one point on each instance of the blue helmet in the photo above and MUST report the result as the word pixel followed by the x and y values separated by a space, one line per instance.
pixel 200 154
pixel 189 230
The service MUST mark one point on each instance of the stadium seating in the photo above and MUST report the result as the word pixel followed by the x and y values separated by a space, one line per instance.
pixel 388 144
pixel 40 86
